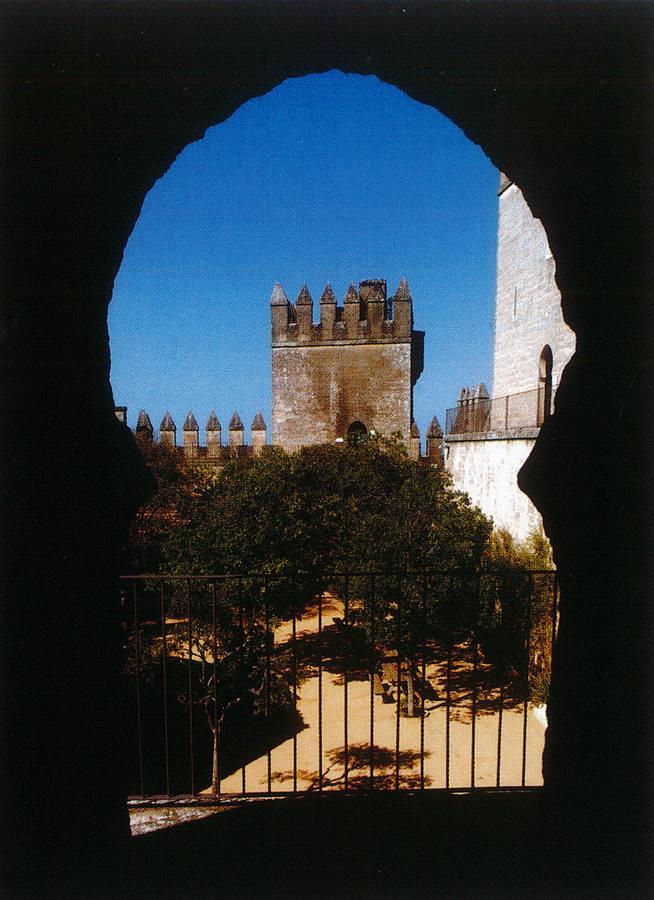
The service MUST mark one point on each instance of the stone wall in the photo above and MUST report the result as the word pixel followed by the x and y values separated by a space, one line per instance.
pixel 319 391
pixel 486 468
pixel 528 304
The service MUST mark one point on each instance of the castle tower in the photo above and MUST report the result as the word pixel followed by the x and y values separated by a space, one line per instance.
pixel 414 442
pixel 191 437
pixel 489 439
pixel 167 432
pixel 213 433
pixel 144 431
pixel 236 432
pixel 528 316
pixel 354 369
pixel 258 430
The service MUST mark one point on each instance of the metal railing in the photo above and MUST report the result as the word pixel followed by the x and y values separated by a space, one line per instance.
pixel 275 684
pixel 525 410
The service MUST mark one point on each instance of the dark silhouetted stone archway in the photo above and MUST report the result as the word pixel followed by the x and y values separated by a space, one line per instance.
pixel 98 100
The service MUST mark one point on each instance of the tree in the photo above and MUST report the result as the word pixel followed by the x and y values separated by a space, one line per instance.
pixel 518 610
pixel 325 509
pixel 329 508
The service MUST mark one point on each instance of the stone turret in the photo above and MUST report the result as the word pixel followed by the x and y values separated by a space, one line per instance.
pixel 167 432
pixel 213 431
pixel 236 432
pixel 258 429
pixel 191 436
pixel 144 430
pixel 414 442
pixel 435 442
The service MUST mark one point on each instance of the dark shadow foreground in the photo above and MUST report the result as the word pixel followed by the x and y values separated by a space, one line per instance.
pixel 385 845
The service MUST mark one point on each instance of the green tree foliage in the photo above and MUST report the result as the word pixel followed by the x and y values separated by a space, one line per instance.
pixel 516 616
pixel 327 509
pixel 332 509
pixel 171 508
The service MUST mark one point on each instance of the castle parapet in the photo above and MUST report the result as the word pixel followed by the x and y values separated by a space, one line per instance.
pixel 214 450
pixel 367 315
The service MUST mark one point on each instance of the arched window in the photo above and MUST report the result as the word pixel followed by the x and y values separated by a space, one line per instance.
pixel 544 384
pixel 356 434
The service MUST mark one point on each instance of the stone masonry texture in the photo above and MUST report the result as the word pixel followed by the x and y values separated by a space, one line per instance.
pixel 528 304
pixel 357 364
pixel 318 392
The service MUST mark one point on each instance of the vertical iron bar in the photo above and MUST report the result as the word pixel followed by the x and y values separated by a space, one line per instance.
pixel 475 654
pixel 501 710
pixel 372 682
pixel 190 683
pixel 475 662
pixel 216 723
pixel 399 685
pixel 294 652
pixel 555 608
pixel 423 679
pixel 526 703
pixel 320 688
pixel 137 667
pixel 241 626
pixel 164 671
pixel 447 712
pixel 499 736
pixel 346 659
pixel 268 640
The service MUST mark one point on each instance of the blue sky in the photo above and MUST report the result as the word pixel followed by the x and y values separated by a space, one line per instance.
pixel 329 177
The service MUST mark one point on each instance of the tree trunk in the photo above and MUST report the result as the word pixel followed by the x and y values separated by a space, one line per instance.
pixel 215 777
pixel 410 711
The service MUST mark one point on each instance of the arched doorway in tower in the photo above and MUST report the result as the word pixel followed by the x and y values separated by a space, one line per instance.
pixel 356 434
pixel 544 384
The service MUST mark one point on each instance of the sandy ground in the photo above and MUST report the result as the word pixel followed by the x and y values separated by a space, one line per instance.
pixel 331 759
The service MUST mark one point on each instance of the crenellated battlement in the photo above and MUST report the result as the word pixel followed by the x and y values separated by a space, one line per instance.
pixel 213 450
pixel 367 315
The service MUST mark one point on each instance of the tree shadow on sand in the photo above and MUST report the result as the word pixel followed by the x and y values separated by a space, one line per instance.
pixel 490 687
pixel 337 649
pixel 389 770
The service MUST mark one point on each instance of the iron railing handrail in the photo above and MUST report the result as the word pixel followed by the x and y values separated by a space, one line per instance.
pixel 479 664
pixel 378 573
pixel 475 415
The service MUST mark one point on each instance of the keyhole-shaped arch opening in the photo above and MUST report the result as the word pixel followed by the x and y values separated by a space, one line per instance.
pixel 545 384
